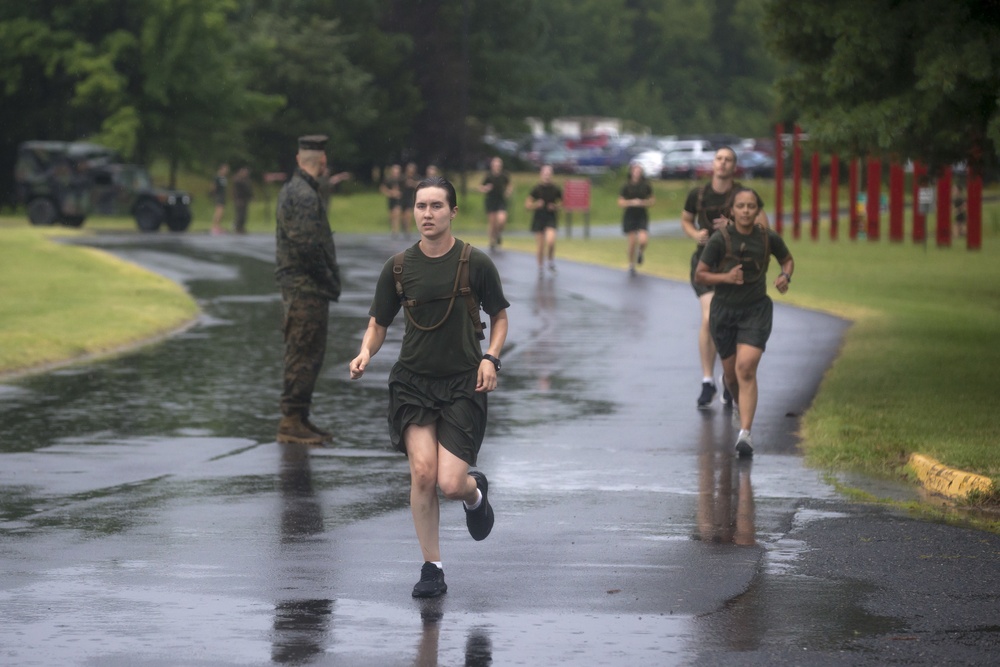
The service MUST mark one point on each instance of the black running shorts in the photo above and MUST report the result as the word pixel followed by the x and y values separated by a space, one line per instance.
pixel 451 403
pixel 746 325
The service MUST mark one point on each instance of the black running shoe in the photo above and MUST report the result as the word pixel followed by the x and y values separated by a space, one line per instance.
pixel 431 582
pixel 480 520
pixel 726 398
pixel 707 394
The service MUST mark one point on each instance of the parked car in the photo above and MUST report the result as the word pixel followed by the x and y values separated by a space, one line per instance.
pixel 67 181
pixel 651 163
pixel 562 160
pixel 681 164
pixel 754 164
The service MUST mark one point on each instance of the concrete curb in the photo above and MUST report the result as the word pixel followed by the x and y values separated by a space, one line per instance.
pixel 939 478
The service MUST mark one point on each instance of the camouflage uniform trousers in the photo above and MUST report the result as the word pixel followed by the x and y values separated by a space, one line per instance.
pixel 305 330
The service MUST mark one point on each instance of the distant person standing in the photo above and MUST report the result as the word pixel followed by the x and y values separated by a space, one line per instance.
pixel 636 197
pixel 960 204
pixel 309 277
pixel 392 189
pixel 438 387
pixel 735 261
pixel 544 200
pixel 703 214
pixel 242 194
pixel 411 178
pixel 498 187
pixel 219 185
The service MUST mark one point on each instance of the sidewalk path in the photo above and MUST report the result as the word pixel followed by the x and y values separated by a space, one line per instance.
pixel 147 516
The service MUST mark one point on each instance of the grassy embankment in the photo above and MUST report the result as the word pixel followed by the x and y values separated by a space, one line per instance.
pixel 61 302
pixel 916 369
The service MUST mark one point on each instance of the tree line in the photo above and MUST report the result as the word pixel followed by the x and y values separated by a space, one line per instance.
pixel 196 82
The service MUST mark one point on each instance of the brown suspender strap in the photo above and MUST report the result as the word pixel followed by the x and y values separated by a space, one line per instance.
pixel 461 287
pixel 472 303
pixel 729 260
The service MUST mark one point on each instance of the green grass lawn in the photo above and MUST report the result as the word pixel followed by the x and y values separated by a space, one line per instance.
pixel 61 302
pixel 914 374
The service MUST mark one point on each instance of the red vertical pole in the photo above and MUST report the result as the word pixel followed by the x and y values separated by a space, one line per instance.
pixel 814 193
pixel 919 217
pixel 834 195
pixel 874 198
pixel 852 193
pixel 896 181
pixel 779 175
pixel 796 184
pixel 974 217
pixel 944 208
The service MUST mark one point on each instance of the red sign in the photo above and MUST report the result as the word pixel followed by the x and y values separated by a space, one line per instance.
pixel 576 195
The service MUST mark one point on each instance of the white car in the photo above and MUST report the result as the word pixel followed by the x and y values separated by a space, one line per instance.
pixel 651 163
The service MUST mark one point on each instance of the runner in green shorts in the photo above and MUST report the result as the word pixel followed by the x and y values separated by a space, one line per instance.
pixel 438 386
pixel 734 262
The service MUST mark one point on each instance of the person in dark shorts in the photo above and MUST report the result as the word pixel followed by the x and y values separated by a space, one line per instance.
pixel 735 262
pixel 961 205
pixel 392 188
pixel 703 214
pixel 544 200
pixel 439 384
pixel 636 197
pixel 309 277
pixel 498 187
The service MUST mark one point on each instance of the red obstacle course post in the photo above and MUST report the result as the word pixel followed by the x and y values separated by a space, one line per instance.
pixel 779 175
pixel 874 198
pixel 944 209
pixel 834 195
pixel 896 181
pixel 814 194
pixel 974 218
pixel 796 184
pixel 923 195
pixel 852 192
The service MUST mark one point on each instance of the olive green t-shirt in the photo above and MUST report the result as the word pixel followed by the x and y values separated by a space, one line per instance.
pixel 453 348
pixel 749 249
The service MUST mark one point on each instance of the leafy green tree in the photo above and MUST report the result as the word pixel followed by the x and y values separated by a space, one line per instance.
pixel 917 79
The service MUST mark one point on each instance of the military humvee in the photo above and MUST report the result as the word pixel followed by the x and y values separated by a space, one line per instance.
pixel 65 182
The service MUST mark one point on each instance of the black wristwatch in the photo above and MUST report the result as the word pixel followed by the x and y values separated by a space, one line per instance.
pixel 496 362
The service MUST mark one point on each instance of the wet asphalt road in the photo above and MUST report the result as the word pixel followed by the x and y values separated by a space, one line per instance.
pixel 147 516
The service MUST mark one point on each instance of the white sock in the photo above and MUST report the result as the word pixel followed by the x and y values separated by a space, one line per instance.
pixel 438 564
pixel 709 380
pixel 743 432
pixel 475 505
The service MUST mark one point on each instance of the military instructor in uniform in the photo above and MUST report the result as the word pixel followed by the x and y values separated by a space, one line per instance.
pixel 309 278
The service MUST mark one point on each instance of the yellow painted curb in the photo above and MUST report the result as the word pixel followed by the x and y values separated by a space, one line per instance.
pixel 946 481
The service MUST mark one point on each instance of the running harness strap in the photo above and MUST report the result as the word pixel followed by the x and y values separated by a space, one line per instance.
pixel 462 287
pixel 729 260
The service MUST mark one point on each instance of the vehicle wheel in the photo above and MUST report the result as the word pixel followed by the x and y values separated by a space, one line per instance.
pixel 148 216
pixel 179 222
pixel 73 220
pixel 42 212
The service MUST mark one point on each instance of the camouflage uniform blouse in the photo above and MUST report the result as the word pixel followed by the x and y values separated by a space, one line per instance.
pixel 306 257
